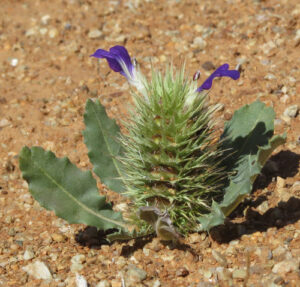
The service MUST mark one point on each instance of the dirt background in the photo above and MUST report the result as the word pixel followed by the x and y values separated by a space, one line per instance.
pixel 46 76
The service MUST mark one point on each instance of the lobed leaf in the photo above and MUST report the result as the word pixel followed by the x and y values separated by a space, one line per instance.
pixel 249 138
pixel 72 194
pixel 100 137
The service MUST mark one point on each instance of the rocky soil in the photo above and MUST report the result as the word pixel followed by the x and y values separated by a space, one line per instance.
pixel 46 76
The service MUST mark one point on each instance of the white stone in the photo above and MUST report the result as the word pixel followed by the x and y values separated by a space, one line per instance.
pixel 199 43
pixel 78 258
pixel 103 283
pixel 81 281
pixel 31 32
pixel 4 123
pixel 43 31
pixel 45 19
pixel 28 254
pixel 286 266
pixel 270 76
pixel 94 34
pixel 135 274
pixel 239 274
pixel 38 270
pixel 291 111
pixel 14 62
pixel 284 99
pixel 77 261
pixel 156 283
pixel 53 33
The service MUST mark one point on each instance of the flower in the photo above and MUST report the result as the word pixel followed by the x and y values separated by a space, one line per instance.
pixel 222 71
pixel 119 61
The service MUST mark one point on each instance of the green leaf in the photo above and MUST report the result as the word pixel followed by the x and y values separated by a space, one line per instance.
pixel 100 137
pixel 250 141
pixel 72 194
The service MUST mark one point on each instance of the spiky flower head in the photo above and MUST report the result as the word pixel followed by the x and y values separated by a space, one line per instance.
pixel 172 160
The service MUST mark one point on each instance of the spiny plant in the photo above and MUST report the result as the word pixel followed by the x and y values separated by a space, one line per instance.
pixel 179 176
pixel 171 160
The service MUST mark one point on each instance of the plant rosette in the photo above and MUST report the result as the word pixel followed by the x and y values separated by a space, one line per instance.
pixel 179 175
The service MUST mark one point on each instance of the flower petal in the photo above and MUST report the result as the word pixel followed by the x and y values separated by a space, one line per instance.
pixel 122 54
pixel 118 59
pixel 222 71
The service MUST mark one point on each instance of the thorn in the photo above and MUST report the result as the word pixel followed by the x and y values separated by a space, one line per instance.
pixel 134 62
pixel 238 67
pixel 196 75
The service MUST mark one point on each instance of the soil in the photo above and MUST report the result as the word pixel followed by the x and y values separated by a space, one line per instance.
pixel 46 76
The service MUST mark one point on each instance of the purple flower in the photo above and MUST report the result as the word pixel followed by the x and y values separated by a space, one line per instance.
pixel 222 71
pixel 118 60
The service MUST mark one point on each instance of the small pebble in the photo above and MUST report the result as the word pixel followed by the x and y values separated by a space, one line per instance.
pixel 239 274
pixel 219 258
pixel 208 66
pixel 68 26
pixel 81 281
pixel 146 251
pixel 14 247
pixel 199 43
pixel 135 274
pixel 163 58
pixel 103 283
pixel 207 274
pixel 286 266
pixel 4 123
pixel 182 272
pixel 263 207
pixel 38 270
pixel 58 237
pixel 286 119
pixel 31 32
pixel 296 186
pixel 53 33
pixel 77 261
pixel 78 258
pixel 43 31
pixel 227 116
pixel 94 34
pixel 270 77
pixel 291 111
pixel 14 62
pixel 121 262
pixel 194 238
pixel 279 253
pixel 45 19
pixel 28 254
pixel 280 182
pixel 156 283
pixel 46 237
pixel 284 99
pixel 234 242
pixel 230 250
